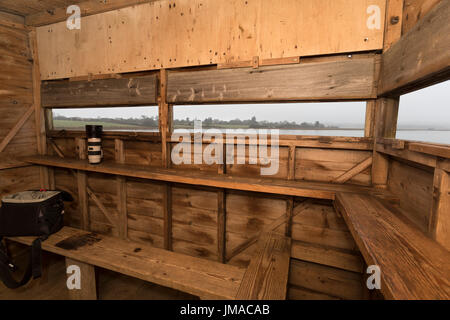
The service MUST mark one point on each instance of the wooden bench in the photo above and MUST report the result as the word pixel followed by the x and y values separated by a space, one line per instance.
pixel 266 278
pixel 412 265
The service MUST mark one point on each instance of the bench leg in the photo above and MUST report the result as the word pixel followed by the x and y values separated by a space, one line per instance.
pixel 81 280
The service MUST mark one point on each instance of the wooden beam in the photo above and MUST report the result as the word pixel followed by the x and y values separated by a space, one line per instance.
pixel 267 275
pixel 12 21
pixel 19 124
pixel 88 283
pixel 386 113
pixel 165 119
pixel 415 10
pixel 87 8
pixel 360 167
pixel 7 162
pixel 439 225
pixel 421 57
pixel 369 126
pixel 428 148
pixel 221 225
pixel 264 62
pixel 350 79
pixel 121 191
pixel 100 93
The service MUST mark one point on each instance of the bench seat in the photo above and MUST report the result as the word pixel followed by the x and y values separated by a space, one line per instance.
pixel 412 265
pixel 200 277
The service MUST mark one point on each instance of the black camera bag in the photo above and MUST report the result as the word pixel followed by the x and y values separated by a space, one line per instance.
pixel 29 213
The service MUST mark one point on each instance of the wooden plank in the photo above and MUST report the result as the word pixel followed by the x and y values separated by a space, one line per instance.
pixel 439 225
pixel 107 92
pixel 421 57
pixel 83 201
pixel 347 79
pixel 12 21
pixel 15 129
pixel 328 256
pixel 412 265
pixel 88 283
pixel 291 163
pixel 360 167
pixel 204 278
pixel 435 150
pixel 369 125
pixel 167 207
pixel 10 163
pixel 87 8
pixel 266 62
pixel 221 225
pixel 121 191
pixel 386 114
pixel 267 275
pixel 289 216
pixel 393 27
pixel 202 32
pixel 307 189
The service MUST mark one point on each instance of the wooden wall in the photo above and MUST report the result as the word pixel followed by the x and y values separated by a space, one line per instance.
pixel 16 98
pixel 179 33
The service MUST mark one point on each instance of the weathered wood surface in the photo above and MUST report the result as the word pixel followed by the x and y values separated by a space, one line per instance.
pixel 266 185
pixel 200 277
pixel 267 275
pixel 88 283
pixel 166 34
pixel 421 57
pixel 343 79
pixel 414 11
pixel 107 92
pixel 412 265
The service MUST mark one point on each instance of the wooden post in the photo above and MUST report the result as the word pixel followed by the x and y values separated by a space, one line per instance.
pixel 393 23
pixel 121 191
pixel 289 216
pixel 386 112
pixel 439 224
pixel 82 185
pixel 39 113
pixel 370 119
pixel 221 225
pixel 291 163
pixel 165 128
pixel 88 285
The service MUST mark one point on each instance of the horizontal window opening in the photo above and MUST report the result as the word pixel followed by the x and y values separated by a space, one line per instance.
pixel 142 119
pixel 312 119
pixel 424 115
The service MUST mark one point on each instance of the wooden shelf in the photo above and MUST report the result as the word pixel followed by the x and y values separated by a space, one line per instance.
pixel 412 265
pixel 316 190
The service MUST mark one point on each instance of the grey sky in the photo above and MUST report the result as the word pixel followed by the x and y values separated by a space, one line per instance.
pixel 429 106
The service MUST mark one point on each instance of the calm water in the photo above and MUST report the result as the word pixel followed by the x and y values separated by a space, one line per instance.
pixel 416 135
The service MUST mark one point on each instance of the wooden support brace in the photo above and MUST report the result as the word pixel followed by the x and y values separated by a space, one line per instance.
pixel 289 215
pixel 360 167
pixel 268 228
pixel 19 124
pixel 88 287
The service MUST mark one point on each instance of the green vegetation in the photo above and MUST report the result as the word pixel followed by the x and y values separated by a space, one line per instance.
pixel 146 123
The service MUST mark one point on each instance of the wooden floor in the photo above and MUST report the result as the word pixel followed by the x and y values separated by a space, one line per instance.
pixel 111 286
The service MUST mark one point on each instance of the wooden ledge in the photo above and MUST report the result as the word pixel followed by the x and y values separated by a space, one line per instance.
pixel 306 189
pixel 412 265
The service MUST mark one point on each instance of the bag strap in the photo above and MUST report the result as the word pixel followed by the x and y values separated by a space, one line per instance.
pixel 34 267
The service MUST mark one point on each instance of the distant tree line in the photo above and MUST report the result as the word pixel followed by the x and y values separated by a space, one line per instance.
pixel 152 122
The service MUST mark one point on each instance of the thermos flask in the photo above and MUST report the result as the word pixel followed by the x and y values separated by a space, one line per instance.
pixel 94 143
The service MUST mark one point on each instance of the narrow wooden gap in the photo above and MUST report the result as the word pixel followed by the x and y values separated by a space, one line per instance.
pixel 221 225
pixel 121 191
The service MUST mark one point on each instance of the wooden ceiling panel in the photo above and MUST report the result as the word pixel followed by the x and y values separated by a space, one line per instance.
pixel 26 7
